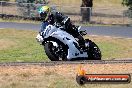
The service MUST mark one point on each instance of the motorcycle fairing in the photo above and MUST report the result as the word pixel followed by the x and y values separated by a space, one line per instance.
pixel 69 40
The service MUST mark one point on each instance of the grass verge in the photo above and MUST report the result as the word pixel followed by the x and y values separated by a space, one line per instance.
pixel 21 45
pixel 52 81
pixel 38 22
pixel 18 20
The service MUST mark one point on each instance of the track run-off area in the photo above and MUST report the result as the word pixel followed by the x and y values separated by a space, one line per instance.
pixel 116 31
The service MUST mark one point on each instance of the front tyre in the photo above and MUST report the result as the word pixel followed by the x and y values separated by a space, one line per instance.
pixel 49 52
pixel 55 53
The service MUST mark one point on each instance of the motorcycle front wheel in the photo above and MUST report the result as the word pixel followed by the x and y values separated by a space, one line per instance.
pixel 55 52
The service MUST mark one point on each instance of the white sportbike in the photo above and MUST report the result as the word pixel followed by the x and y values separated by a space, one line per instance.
pixel 60 45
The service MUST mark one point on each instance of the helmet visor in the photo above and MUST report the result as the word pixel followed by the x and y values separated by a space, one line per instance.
pixel 43 15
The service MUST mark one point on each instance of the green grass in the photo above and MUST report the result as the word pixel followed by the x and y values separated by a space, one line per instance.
pixel 112 48
pixel 21 45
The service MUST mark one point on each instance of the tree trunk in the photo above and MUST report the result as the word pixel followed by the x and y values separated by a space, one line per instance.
pixel 86 9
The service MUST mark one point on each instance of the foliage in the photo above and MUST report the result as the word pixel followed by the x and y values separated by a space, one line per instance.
pixel 128 3
pixel 4 0
pixel 128 12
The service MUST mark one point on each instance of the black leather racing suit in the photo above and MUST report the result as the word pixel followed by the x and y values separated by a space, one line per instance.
pixel 64 21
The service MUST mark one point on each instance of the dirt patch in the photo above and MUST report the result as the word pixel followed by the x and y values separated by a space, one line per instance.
pixel 59 76
pixel 5 43
pixel 67 70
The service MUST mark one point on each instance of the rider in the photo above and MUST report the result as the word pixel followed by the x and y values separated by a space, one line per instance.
pixel 52 17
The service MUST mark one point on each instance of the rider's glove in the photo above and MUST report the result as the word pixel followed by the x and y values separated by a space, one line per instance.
pixel 65 21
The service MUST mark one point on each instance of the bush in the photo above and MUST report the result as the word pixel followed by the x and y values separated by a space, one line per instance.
pixel 128 3
pixel 4 0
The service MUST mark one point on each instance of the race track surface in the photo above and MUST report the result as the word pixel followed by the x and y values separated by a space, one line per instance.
pixel 114 31
pixel 54 63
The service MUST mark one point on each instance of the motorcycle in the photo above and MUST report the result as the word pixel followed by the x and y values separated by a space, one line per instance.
pixel 60 45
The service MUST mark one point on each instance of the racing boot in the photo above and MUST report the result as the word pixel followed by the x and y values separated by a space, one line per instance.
pixel 81 42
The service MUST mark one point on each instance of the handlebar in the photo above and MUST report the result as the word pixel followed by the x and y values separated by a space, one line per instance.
pixel 83 32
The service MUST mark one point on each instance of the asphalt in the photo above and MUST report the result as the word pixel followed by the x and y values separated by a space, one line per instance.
pixel 114 31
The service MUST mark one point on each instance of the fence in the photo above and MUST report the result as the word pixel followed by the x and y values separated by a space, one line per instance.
pixel 97 15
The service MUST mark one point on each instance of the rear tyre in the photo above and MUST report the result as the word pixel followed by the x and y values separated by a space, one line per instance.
pixel 94 52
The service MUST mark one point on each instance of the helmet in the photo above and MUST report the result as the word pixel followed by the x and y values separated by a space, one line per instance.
pixel 44 12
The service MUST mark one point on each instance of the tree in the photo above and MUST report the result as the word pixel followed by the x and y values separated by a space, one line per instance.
pixel 30 1
pixel 4 0
pixel 86 9
pixel 128 12
pixel 87 3
pixel 128 3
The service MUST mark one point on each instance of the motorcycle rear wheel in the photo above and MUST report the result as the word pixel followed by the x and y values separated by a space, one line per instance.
pixel 94 53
